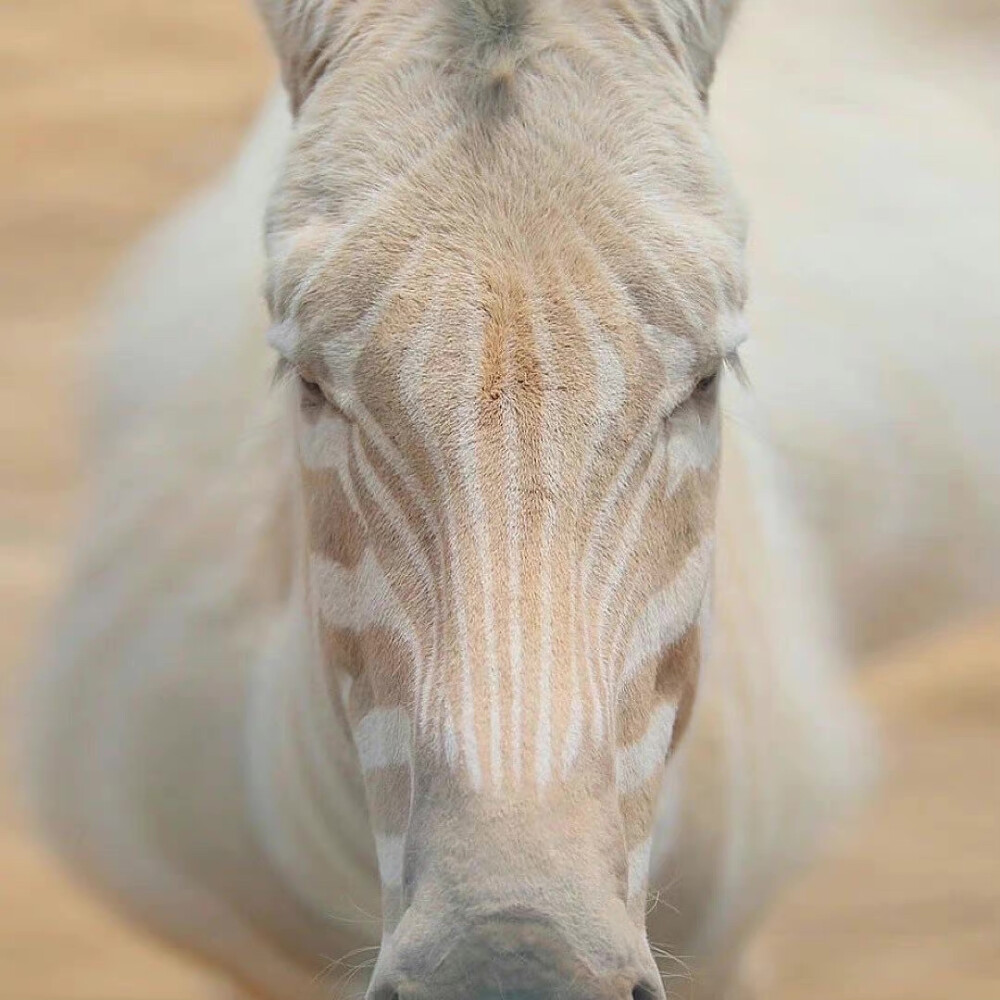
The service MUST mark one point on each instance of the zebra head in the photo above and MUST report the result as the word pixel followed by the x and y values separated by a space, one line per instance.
pixel 506 278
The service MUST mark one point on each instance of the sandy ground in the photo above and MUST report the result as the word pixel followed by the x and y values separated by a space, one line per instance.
pixel 110 110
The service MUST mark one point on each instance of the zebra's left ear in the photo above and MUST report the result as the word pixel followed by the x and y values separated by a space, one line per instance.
pixel 700 28
pixel 304 35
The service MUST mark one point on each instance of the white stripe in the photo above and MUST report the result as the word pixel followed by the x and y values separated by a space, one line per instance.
pixel 390 848
pixel 450 738
pixel 609 504
pixel 386 502
pixel 629 541
pixel 638 763
pixel 574 731
pixel 413 377
pixel 609 383
pixel 468 457
pixel 382 738
pixel 693 445
pixel 323 444
pixel 688 227
pixel 319 257
pixel 670 612
pixel 678 355
pixel 512 494
pixel 341 354
pixel 346 682
pixel 358 598
pixel 550 461
pixel 638 868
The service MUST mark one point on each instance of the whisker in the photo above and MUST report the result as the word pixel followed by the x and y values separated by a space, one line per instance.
pixel 369 917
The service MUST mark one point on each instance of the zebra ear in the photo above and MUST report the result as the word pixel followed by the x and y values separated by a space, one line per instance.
pixel 700 28
pixel 304 34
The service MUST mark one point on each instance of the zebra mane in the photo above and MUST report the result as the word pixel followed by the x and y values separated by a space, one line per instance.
pixel 490 42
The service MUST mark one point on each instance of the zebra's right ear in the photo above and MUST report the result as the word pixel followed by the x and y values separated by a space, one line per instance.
pixel 304 35
pixel 699 26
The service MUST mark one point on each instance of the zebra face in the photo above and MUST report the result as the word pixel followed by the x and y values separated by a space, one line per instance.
pixel 505 328
pixel 508 482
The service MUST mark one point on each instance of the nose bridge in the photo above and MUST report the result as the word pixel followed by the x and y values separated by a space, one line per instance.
pixel 527 697
pixel 525 708
pixel 509 446
pixel 527 832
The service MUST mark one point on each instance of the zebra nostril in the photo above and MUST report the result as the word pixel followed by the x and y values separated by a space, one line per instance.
pixel 645 991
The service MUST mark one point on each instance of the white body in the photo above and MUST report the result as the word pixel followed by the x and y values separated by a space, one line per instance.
pixel 165 734
pixel 171 748
pixel 865 139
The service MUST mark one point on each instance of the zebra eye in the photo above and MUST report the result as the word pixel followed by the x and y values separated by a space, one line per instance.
pixel 705 385
pixel 311 393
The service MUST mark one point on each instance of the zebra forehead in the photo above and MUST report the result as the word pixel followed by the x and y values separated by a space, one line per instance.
pixel 335 287
pixel 508 324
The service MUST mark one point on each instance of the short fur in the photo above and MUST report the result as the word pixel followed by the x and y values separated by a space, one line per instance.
pixel 522 305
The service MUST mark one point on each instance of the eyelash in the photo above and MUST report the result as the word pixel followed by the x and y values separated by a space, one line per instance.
pixel 731 363
pixel 312 393
pixel 706 384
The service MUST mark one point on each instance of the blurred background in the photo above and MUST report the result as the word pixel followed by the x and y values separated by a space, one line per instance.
pixel 859 132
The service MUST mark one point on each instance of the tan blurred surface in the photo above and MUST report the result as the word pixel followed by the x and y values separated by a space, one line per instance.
pixel 109 110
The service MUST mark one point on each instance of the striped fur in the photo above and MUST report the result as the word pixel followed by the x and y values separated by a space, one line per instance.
pixel 477 603
pixel 508 468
